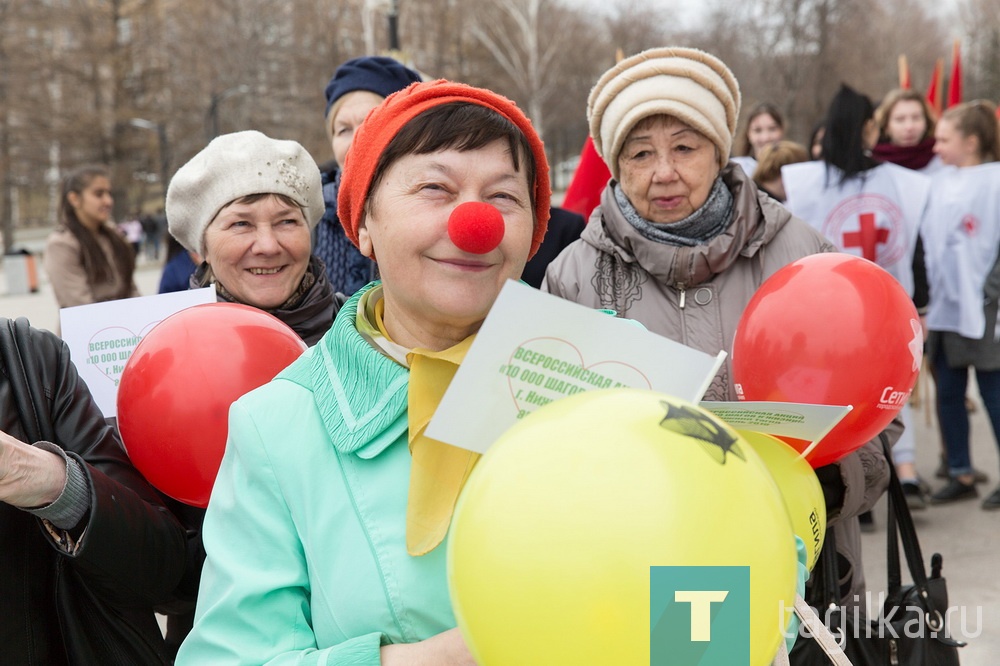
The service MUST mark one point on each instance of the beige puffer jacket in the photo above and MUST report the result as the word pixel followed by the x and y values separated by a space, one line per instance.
pixel 63 261
pixel 695 295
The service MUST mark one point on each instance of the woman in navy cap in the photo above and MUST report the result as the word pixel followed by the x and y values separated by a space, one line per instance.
pixel 357 87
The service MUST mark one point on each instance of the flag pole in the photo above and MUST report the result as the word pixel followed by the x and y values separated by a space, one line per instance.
pixel 904 72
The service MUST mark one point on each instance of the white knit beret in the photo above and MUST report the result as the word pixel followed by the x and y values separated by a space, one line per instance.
pixel 693 86
pixel 235 165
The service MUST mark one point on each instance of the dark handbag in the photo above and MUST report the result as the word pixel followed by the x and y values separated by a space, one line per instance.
pixel 93 631
pixel 911 629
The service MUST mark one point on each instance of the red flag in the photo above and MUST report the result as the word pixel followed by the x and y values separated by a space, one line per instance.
pixel 934 88
pixel 904 73
pixel 955 82
pixel 584 191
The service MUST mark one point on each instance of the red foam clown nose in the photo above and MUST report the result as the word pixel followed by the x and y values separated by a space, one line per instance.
pixel 476 227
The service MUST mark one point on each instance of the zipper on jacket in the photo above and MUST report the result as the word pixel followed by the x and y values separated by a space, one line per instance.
pixel 680 288
pixel 681 301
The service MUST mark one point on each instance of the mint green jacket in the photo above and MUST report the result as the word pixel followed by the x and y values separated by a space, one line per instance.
pixel 306 528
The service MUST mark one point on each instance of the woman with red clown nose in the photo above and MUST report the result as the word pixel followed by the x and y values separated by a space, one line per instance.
pixel 328 522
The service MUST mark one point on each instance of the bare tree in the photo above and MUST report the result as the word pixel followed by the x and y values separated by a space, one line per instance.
pixel 795 53
pixel 434 38
pixel 140 84
pixel 981 22
pixel 634 26
pixel 512 32
pixel 6 177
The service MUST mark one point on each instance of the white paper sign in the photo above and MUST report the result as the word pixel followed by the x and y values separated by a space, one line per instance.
pixel 788 419
pixel 102 336
pixel 534 348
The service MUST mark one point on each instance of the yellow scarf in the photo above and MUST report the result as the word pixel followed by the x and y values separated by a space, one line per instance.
pixel 438 470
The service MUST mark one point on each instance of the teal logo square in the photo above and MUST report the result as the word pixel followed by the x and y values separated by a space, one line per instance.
pixel 699 616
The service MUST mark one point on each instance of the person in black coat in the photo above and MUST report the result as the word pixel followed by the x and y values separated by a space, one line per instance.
pixel 564 227
pixel 81 531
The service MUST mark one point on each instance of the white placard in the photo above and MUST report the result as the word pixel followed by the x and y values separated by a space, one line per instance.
pixel 534 348
pixel 787 419
pixel 102 336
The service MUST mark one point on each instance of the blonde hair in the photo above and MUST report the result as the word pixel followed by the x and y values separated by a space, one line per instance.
pixel 977 118
pixel 893 98
pixel 776 155
pixel 335 109
pixel 331 115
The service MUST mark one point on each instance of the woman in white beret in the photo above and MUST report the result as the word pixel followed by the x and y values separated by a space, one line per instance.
pixel 682 239
pixel 247 203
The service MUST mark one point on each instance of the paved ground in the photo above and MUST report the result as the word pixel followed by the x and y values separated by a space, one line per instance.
pixel 967 537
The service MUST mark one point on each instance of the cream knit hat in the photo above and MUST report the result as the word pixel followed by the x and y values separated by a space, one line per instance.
pixel 235 165
pixel 693 86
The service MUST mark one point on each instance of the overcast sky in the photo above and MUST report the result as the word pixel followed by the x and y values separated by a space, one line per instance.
pixel 690 13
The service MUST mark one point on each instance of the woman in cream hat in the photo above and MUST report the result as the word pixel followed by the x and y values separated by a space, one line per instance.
pixel 246 203
pixel 682 239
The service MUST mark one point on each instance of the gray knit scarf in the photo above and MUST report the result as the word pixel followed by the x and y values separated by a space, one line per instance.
pixel 697 228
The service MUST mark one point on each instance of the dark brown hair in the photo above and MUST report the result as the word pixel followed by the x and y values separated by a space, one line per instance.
pixel 764 109
pixel 459 126
pixel 95 262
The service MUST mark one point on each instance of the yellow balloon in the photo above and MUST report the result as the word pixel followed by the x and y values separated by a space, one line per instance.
pixel 800 489
pixel 558 525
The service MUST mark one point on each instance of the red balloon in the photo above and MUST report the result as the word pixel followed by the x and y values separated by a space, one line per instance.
pixel 176 389
pixel 476 227
pixel 831 329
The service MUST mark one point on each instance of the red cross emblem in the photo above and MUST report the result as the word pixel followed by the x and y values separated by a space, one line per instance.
pixel 970 225
pixel 868 237
pixel 871 225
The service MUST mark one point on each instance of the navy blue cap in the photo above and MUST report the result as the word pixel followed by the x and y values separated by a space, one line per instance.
pixel 378 74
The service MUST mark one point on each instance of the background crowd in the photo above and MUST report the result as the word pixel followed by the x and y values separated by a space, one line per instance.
pixel 142 86
pixel 704 202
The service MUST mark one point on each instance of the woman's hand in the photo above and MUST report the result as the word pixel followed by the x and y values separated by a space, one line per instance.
pixel 29 477
pixel 446 649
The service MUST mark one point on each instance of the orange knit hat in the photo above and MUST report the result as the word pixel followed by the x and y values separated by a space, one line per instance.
pixel 388 118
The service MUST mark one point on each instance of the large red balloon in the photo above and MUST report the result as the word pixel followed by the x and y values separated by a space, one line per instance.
pixel 831 329
pixel 176 389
